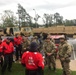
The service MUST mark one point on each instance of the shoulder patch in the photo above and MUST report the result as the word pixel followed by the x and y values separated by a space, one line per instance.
pixel 27 52
pixel 35 52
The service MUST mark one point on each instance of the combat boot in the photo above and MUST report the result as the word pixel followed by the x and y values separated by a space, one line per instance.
pixel 2 73
pixel 64 73
pixel 54 69
pixel 49 67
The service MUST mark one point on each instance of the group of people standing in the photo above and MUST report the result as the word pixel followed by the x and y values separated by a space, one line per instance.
pixel 64 54
pixel 34 53
pixel 7 49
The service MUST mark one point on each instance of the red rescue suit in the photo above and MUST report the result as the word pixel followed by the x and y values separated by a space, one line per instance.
pixel 17 40
pixel 1 47
pixel 32 60
pixel 20 37
pixel 8 48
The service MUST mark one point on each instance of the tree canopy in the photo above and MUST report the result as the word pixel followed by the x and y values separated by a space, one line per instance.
pixel 24 19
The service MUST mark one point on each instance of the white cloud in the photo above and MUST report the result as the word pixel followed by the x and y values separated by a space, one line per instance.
pixel 65 7
pixel 68 12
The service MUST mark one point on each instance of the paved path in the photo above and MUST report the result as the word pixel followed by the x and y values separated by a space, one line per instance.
pixel 72 65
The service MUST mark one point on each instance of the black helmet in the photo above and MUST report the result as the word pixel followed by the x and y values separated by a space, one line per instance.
pixel 8 39
pixel 33 45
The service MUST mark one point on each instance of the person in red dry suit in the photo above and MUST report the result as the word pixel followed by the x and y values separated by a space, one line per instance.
pixel 17 42
pixel 8 49
pixel 33 61
pixel 1 52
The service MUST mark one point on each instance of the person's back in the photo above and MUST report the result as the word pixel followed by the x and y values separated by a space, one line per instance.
pixel 33 61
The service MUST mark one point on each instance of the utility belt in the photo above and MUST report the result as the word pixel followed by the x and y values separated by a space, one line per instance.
pixel 8 53
pixel 31 70
pixel 63 56
pixel 67 59
pixel 49 55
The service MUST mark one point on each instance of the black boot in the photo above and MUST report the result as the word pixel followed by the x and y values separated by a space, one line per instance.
pixel 64 73
pixel 1 62
pixel 49 67
pixel 9 70
pixel 54 69
pixel 2 73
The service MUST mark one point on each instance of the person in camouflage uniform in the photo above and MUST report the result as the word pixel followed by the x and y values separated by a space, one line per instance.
pixel 49 49
pixel 35 39
pixel 64 54
pixel 25 44
pixel 55 53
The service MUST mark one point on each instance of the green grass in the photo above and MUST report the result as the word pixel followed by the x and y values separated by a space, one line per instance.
pixel 18 69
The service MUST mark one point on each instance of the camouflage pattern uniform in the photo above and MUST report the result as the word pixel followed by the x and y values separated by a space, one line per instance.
pixel 35 39
pixel 49 47
pixel 25 45
pixel 55 53
pixel 64 55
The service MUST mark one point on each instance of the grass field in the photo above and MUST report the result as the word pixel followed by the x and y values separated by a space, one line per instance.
pixel 18 69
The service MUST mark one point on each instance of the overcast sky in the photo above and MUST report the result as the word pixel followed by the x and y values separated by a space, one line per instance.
pixel 66 8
